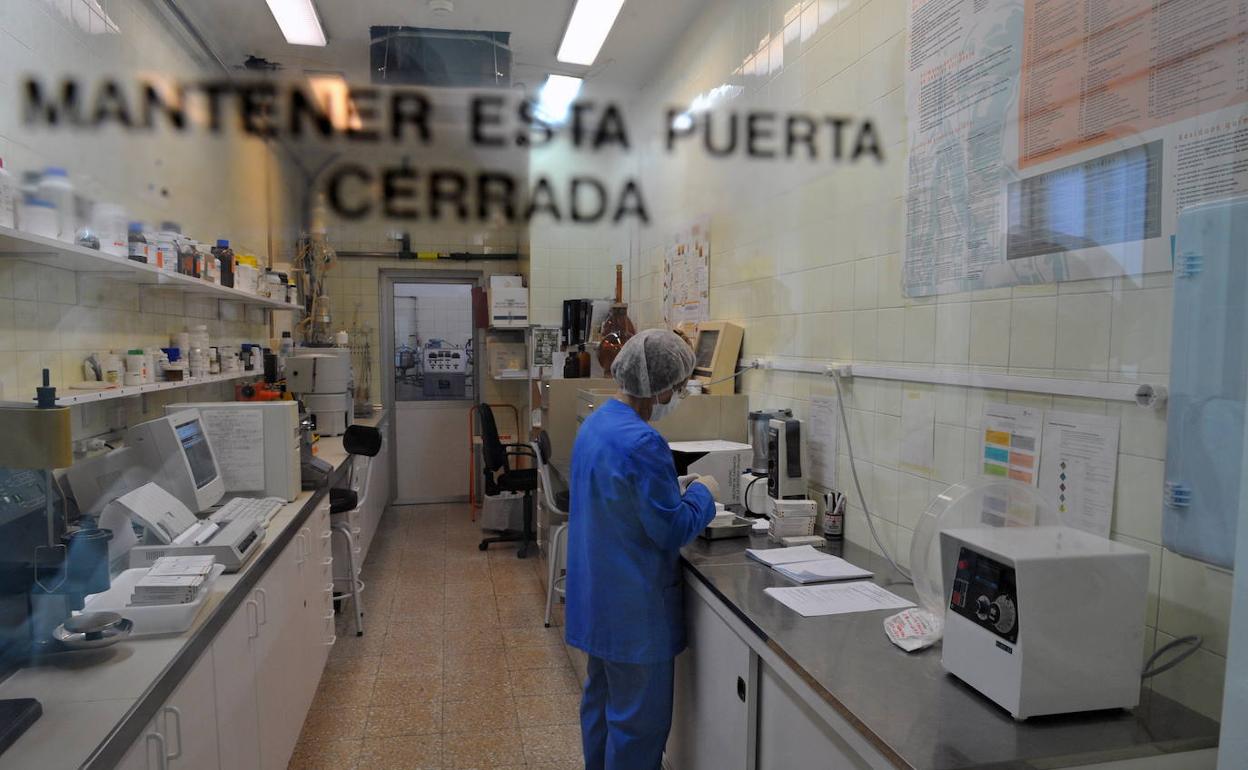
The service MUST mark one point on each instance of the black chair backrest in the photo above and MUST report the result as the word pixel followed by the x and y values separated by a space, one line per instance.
pixel 362 440
pixel 543 447
pixel 492 452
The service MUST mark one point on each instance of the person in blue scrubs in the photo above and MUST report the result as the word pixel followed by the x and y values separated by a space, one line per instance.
pixel 629 517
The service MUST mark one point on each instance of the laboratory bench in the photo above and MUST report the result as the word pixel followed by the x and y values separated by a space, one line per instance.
pixel 763 687
pixel 231 691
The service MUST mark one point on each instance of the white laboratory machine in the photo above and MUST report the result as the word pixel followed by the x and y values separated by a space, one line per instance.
pixel 175 452
pixel 785 478
pixel 1044 620
pixel 321 378
pixel 256 444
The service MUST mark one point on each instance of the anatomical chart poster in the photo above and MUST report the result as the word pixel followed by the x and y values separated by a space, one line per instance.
pixel 1056 140
pixel 687 275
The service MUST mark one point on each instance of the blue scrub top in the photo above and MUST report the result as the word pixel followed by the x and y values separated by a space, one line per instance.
pixel 627 524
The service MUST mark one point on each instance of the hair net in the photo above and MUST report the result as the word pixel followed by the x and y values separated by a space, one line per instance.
pixel 651 362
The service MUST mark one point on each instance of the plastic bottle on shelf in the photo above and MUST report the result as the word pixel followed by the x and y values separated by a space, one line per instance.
pixel 55 188
pixel 110 225
pixel 138 245
pixel 136 367
pixel 225 261
pixel 112 369
pixel 38 216
pixel 8 198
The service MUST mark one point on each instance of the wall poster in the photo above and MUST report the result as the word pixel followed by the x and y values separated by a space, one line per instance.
pixel 686 275
pixel 1056 140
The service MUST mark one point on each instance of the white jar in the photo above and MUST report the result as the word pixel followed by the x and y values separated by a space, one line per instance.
pixel 112 369
pixel 39 217
pixel 112 228
pixel 55 188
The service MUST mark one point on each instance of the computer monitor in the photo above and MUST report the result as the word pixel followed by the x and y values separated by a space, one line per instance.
pixel 716 349
pixel 176 452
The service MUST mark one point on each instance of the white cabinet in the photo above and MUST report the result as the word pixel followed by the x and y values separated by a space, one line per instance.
pixel 713 710
pixel 234 670
pixel 791 734
pixel 183 734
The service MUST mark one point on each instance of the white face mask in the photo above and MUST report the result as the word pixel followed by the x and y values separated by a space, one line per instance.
pixel 662 410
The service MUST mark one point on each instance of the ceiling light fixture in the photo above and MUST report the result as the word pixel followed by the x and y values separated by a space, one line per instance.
pixel 556 98
pixel 299 21
pixel 587 30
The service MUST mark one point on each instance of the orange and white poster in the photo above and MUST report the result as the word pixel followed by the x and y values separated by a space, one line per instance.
pixel 1056 140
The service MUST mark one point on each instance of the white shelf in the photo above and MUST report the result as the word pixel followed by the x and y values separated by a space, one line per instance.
pixel 49 251
pixel 76 397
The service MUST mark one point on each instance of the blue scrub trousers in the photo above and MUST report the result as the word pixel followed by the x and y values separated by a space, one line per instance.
pixel 626 714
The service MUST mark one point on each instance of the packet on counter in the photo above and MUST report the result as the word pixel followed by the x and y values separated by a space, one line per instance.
pixel 914 629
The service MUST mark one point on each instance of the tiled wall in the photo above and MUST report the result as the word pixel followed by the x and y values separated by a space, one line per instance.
pixel 221 187
pixel 807 258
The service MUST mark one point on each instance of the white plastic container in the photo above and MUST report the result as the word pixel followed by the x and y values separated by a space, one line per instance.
pixel 55 188
pixel 8 198
pixel 112 228
pixel 157 619
pixel 38 217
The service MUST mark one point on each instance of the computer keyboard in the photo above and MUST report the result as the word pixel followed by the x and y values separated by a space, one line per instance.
pixel 262 509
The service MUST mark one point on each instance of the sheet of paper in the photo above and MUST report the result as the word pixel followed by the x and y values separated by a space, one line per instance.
pixel 1011 436
pixel 709 445
pixel 837 598
pixel 918 422
pixel 773 556
pixel 820 570
pixel 237 437
pixel 821 440
pixel 1079 466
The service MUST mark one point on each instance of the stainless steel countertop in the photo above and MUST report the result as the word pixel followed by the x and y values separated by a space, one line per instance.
pixel 904 703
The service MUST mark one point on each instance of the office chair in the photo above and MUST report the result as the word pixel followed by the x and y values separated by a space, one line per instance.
pixel 501 477
pixel 556 501
pixel 362 441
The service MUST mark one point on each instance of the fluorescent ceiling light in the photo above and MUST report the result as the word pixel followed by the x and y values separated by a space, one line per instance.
pixel 298 20
pixel 587 30
pixel 556 98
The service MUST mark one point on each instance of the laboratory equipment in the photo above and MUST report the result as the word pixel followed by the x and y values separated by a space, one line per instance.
pixel 716 350
pixel 759 421
pixel 784 459
pixel 724 460
pixel 258 509
pixel 321 377
pixel 171 529
pixel 444 371
pixel 1044 620
pixel 176 450
pixel 256 444
pixel 90 630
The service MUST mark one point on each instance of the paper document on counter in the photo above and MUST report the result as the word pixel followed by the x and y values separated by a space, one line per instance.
pixel 804 564
pixel 773 556
pixel 837 599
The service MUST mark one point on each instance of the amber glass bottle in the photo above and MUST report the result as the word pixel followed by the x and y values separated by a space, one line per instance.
pixel 617 328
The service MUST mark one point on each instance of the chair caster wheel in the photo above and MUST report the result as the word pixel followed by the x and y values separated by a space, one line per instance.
pixel 547 625
pixel 359 633
pixel 483 546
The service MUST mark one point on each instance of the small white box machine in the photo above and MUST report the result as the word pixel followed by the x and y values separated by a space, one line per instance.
pixel 268 467
pixel 1044 620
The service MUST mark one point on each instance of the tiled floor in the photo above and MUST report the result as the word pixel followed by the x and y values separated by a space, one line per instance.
pixel 454 670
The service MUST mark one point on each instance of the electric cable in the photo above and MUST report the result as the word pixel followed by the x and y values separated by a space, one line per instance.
pixel 853 472
pixel 1196 643
pixel 735 374
pixel 748 487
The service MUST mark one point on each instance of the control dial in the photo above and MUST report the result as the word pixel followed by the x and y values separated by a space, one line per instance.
pixel 1005 614
pixel 982 607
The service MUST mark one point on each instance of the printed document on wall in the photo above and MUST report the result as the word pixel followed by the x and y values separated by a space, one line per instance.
pixel 821 442
pixel 1079 466
pixel 237 437
pixel 1011 437
pixel 1056 140
pixel 686 275
pixel 918 422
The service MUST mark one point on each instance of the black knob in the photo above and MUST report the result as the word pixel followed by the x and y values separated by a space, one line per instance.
pixel 981 607
pixel 741 689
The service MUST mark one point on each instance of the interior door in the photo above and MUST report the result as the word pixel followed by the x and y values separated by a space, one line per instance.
pixel 432 384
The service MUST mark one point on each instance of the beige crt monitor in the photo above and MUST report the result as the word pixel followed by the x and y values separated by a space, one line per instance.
pixel 716 349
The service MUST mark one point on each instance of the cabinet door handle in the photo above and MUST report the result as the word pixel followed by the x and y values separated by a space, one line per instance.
pixel 741 689
pixel 299 553
pixel 253 618
pixel 264 606
pixel 160 749
pixel 177 729
pixel 306 532
pixel 330 641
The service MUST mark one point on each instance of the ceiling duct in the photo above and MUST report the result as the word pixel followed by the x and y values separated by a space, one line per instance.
pixel 449 58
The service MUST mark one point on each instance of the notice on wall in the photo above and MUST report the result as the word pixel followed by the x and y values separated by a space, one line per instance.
pixel 687 275
pixel 1011 438
pixel 821 442
pixel 1056 140
pixel 918 423
pixel 543 344
pixel 237 437
pixel 1079 466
